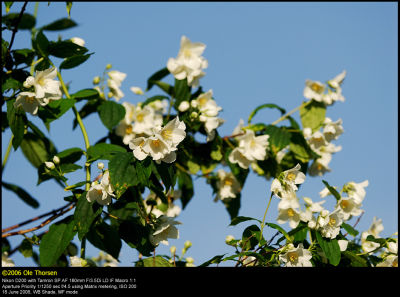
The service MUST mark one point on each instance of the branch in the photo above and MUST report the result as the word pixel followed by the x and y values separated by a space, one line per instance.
pixel 49 220
pixel 16 26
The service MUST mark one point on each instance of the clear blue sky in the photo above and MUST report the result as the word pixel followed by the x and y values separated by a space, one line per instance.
pixel 258 53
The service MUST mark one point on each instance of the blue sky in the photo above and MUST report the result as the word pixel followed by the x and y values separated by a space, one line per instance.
pixel 258 52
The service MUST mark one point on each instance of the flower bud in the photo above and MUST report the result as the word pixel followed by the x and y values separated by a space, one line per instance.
pixel 109 95
pixel 100 165
pixel 194 115
pixel 137 90
pixel 183 106
pixel 229 238
pixel 108 66
pixel 194 103
pixel 325 213
pixel 312 224
pixel 187 244
pixel 189 260
pixel 56 160
pixel 78 41
pixel 29 82
pixel 96 80
pixel 173 250
pixel 50 165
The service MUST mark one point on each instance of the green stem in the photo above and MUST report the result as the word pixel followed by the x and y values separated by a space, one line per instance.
pixel 7 153
pixel 265 215
pixel 304 104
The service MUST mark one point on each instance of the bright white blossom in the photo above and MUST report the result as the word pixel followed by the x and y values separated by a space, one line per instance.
pixel 28 102
pixel 183 106
pixel 189 62
pixel 227 184
pixel 165 229
pixel 288 212
pixel 314 90
pixel 101 192
pixel 6 261
pixel 137 90
pixel 79 41
pixel 77 262
pixel 330 224
pixel 356 190
pixel 332 130
pixel 114 83
pixel 296 257
pixel 390 261
pixel 349 207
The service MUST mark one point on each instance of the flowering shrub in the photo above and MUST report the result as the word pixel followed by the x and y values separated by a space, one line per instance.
pixel 151 147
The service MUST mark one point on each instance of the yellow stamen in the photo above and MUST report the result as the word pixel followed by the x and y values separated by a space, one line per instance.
pixel 332 221
pixel 30 99
pixel 187 53
pixel 128 129
pixel 291 176
pixel 316 88
pixel 293 256
pixel 166 134
pixel 228 181
pixel 290 212
pixel 156 142
pixel 344 204
pixel 140 117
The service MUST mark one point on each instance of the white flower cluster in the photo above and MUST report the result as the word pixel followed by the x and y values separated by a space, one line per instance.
pixel 140 120
pixel 227 184
pixel 250 147
pixel 171 210
pixel 162 144
pixel 101 192
pixel 320 142
pixel 325 93
pixel 114 82
pixel 165 229
pixel 295 256
pixel 45 89
pixel 189 63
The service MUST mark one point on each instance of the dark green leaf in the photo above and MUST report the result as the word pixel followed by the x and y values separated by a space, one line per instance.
pixel 36 150
pixel 313 115
pixel 356 261
pixel 250 237
pixel 301 148
pixel 61 24
pixel 86 94
pixel 106 238
pixel 185 184
pixel 241 219
pixel 16 120
pixel 143 170
pixel 156 77
pixel 122 172
pixel 381 241
pixel 167 174
pixel 21 193
pixel 214 260
pixel 111 113
pixel 11 84
pixel 65 49
pixel 332 190
pixel 26 248
pixel 104 151
pixel 156 261
pixel 181 92
pixel 27 21
pixel 280 229
pixel 74 61
pixel 89 108
pixel 331 249
pixel 350 229
pixel 42 44
pixel 278 137
pixel 268 105
pixel 70 155
pixel 55 109
pixel 54 242
pixel 136 236
pixel 85 214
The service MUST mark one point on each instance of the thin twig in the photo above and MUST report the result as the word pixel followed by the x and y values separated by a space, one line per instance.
pixel 49 220
pixel 14 31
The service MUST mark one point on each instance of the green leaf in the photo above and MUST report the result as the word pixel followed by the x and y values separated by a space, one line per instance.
pixel 42 44
pixel 332 190
pixel 156 261
pixel 301 148
pixel 268 105
pixel 250 237
pixel 181 91
pixel 21 193
pixel 8 6
pixel 26 248
pixel 74 61
pixel 16 120
pixel 54 242
pixel 214 260
pixel 241 219
pixel 136 236
pixel 61 24
pixel 356 261
pixel 86 94
pixel 106 238
pixel 280 229
pixel 160 74
pixel 111 113
pixel 55 109
pixel 122 172
pixel 167 88
pixel 70 155
pixel 65 49
pixel 167 174
pixel 313 115
pixel 350 229
pixel 85 214
pixel 27 21
pixel 143 170
pixel 185 184
pixel 104 151
pixel 36 150
pixel 381 241
pixel 11 84
pixel 279 137
pixel 331 249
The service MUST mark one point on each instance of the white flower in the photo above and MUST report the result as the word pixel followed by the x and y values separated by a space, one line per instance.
pixel 137 90
pixel 349 207
pixel 366 245
pixel 249 261
pixel 56 160
pixel 6 261
pixel 229 238
pixel 294 176
pixel 254 147
pixel 28 102
pixel 337 80
pixel 317 140
pixel 46 88
pixel 314 90
pixel 296 257
pixel 314 206
pixel 330 225
pixel 156 147
pixel 189 62
pixel 320 165
pixel 101 192
pixel 183 106
pixel 356 190
pixel 390 261
pixel 343 244
pixel 189 262
pixel 285 191
pixel 392 247
pixel 79 41
pixel 117 76
pixel 145 119
pixel 173 132
pixel 227 184
pixel 77 262
pixel 332 130
pixel 237 156
pixel 165 229
pixel 114 89
pixel 287 209
pixel 50 165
